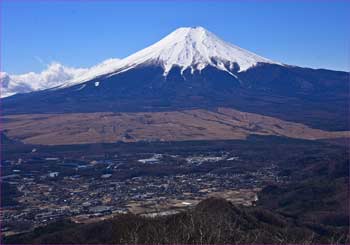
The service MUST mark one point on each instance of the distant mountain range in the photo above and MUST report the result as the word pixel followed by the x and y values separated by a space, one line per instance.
pixel 190 69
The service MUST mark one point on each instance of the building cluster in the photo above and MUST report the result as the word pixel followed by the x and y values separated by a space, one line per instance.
pixel 46 195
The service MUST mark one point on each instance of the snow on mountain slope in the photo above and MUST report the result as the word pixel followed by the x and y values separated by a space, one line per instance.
pixel 56 74
pixel 195 48
pixel 186 47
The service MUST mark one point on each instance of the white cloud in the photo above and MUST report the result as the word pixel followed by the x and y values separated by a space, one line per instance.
pixel 54 75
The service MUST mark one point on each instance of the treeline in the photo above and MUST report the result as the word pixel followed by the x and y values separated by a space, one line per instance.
pixel 211 221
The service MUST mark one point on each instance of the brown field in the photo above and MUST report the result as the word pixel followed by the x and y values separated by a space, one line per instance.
pixel 109 127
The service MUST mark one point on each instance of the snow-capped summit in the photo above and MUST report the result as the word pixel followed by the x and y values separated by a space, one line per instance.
pixel 186 47
pixel 194 48
pixel 191 48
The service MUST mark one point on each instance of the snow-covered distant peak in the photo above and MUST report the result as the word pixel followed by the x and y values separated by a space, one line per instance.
pixel 195 48
pixel 186 47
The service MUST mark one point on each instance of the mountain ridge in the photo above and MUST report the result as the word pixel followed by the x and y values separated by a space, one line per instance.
pixel 186 47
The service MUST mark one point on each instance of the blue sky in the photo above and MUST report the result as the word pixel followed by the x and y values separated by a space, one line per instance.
pixel 83 33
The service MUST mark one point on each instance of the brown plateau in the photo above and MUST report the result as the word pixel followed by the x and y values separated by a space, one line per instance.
pixel 109 127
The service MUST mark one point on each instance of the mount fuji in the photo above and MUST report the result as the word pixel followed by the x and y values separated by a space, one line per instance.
pixel 186 48
pixel 193 69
